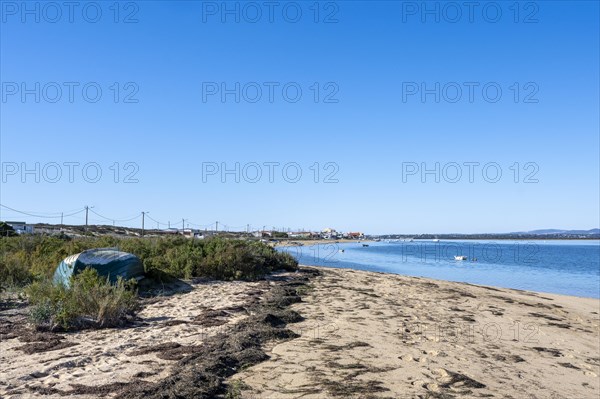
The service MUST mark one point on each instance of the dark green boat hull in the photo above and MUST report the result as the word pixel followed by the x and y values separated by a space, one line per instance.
pixel 108 262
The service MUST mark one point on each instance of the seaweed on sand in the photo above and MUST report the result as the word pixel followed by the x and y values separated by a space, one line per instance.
pixel 201 374
pixel 202 371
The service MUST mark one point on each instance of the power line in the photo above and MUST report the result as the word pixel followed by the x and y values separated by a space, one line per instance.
pixel 86 209
pixel 41 216
pixel 114 220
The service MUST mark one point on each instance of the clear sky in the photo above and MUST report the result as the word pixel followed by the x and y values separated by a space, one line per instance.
pixel 367 119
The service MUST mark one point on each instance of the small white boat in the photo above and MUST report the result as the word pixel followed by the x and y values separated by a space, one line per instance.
pixel 342 250
pixel 436 240
pixel 460 257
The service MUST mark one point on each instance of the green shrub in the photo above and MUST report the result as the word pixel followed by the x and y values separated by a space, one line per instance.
pixel 27 258
pixel 6 230
pixel 13 271
pixel 89 302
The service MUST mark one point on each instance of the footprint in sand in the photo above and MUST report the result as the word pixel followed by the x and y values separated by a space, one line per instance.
pixel 409 358
pixel 433 387
pixel 419 383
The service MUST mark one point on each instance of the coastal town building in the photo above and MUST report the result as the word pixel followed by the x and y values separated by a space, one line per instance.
pixel 329 233
pixel 354 235
pixel 21 227
pixel 300 234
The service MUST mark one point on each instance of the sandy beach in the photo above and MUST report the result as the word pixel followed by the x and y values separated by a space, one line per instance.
pixel 354 334
pixel 168 328
pixel 380 335
pixel 308 243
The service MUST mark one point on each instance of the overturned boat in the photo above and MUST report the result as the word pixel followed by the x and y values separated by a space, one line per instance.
pixel 108 262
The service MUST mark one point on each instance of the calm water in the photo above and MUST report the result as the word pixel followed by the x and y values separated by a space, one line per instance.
pixel 561 267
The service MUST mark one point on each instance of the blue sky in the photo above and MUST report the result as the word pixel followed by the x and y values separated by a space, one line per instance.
pixel 365 127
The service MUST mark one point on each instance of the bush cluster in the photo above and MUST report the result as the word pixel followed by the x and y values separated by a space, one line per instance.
pixel 27 258
pixel 91 301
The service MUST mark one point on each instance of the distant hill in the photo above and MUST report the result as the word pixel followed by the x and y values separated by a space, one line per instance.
pixel 557 231
pixel 542 234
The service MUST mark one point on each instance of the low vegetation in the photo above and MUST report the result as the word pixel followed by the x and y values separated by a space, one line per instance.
pixel 24 259
pixel 91 301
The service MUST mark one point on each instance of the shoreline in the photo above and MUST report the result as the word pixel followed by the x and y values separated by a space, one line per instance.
pixel 562 297
pixel 486 286
pixel 328 262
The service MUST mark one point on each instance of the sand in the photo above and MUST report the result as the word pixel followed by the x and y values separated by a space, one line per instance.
pixel 380 335
pixel 308 243
pixel 363 335
pixel 169 327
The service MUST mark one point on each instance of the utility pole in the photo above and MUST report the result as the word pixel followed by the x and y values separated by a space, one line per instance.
pixel 61 218
pixel 143 217
pixel 169 223
pixel 247 228
pixel 216 226
pixel 182 225
pixel 86 216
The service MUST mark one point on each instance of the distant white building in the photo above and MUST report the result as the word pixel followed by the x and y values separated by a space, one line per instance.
pixel 300 234
pixel 192 233
pixel 329 233
pixel 354 235
pixel 262 234
pixel 21 227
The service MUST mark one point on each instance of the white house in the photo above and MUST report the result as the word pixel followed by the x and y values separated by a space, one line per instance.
pixel 21 227
pixel 329 233
pixel 300 234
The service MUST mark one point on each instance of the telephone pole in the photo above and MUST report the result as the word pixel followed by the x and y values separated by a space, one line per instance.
pixel 216 226
pixel 182 226
pixel 61 218
pixel 87 208
pixel 143 217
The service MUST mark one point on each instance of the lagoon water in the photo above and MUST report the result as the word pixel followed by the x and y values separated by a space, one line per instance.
pixel 563 267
